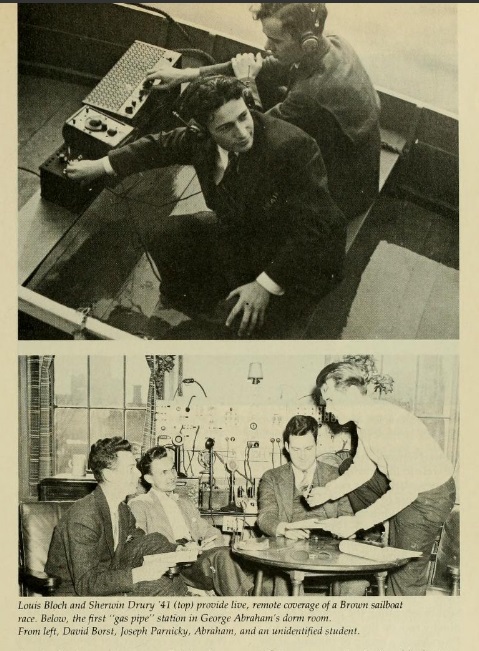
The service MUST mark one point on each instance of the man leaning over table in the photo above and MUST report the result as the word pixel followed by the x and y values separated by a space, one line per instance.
pixel 421 491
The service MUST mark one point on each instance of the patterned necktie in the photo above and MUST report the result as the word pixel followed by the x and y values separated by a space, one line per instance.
pixel 115 524
pixel 304 484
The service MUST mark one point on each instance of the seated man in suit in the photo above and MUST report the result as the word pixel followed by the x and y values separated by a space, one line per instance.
pixel 275 243
pixel 97 549
pixel 281 490
pixel 178 519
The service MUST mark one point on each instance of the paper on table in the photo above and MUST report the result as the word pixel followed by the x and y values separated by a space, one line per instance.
pixel 374 553
pixel 311 523
pixel 172 558
pixel 253 544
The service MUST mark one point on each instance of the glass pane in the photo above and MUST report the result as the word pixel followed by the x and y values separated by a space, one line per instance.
pixel 71 436
pixel 137 380
pixel 106 381
pixel 70 380
pixel 106 423
pixel 135 421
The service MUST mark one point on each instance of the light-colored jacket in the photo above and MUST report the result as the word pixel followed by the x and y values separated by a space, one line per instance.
pixel 151 517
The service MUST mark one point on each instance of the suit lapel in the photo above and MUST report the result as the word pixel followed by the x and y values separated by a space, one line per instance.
pixel 104 510
pixel 160 513
pixel 286 490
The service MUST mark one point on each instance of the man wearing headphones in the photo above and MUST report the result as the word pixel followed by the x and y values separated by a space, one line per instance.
pixel 325 91
pixel 275 242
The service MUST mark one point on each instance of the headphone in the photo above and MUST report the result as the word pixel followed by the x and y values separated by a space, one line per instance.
pixel 309 40
pixel 192 126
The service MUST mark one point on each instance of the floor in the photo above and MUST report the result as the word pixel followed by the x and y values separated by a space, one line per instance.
pixel 117 282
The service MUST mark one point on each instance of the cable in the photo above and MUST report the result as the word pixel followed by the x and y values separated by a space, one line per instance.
pixel 169 18
pixel 26 169
pixel 196 52
pixel 132 221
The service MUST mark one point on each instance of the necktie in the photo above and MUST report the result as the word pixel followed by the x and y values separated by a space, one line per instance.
pixel 115 527
pixel 304 484
pixel 222 174
pixel 228 189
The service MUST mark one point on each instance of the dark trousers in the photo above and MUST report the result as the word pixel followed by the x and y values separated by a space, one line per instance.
pixel 416 527
pixel 199 269
pixel 216 570
pixel 164 586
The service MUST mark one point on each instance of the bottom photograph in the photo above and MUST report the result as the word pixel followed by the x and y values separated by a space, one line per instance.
pixel 239 475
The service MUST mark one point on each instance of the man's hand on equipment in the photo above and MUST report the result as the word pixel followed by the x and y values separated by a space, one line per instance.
pixel 84 171
pixel 247 66
pixel 171 77
pixel 252 301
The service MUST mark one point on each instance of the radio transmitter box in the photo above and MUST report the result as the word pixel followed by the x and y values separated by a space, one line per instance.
pixel 92 134
pixel 125 94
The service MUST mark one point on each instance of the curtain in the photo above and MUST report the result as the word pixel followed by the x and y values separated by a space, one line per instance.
pixel 40 419
pixel 159 366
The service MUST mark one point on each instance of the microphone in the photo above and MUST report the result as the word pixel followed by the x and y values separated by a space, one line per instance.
pixel 231 465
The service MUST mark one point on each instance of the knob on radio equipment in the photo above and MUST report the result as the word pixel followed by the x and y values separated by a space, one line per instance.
pixel 95 124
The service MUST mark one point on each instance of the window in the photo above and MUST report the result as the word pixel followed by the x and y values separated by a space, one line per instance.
pixel 97 397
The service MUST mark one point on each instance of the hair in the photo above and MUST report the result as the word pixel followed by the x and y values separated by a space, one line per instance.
pixel 104 454
pixel 297 18
pixel 205 95
pixel 343 374
pixel 300 426
pixel 144 464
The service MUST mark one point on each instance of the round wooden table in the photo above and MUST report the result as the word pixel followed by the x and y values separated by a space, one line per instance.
pixel 300 558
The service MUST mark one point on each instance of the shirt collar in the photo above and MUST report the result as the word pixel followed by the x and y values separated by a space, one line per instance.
pixel 162 496
pixel 223 156
pixel 300 477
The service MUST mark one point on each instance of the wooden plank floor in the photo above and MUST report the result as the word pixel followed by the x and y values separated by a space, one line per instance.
pixel 100 260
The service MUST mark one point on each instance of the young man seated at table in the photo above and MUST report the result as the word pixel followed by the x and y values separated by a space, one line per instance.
pixel 96 548
pixel 178 519
pixel 281 490
pixel 275 243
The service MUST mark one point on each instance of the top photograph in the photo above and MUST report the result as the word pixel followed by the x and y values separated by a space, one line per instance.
pixel 238 171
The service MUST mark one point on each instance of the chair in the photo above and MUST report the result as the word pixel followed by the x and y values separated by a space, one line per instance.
pixel 445 574
pixel 37 521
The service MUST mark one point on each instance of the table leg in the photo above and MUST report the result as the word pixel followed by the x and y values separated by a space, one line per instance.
pixel 336 588
pixel 381 579
pixel 258 583
pixel 297 579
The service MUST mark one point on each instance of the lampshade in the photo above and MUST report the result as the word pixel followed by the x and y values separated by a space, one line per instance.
pixel 255 373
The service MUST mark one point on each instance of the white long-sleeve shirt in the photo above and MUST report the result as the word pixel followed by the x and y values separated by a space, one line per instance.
pixel 400 446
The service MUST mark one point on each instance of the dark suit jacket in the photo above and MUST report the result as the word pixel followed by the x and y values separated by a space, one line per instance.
pixel 276 493
pixel 82 550
pixel 332 98
pixel 279 217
